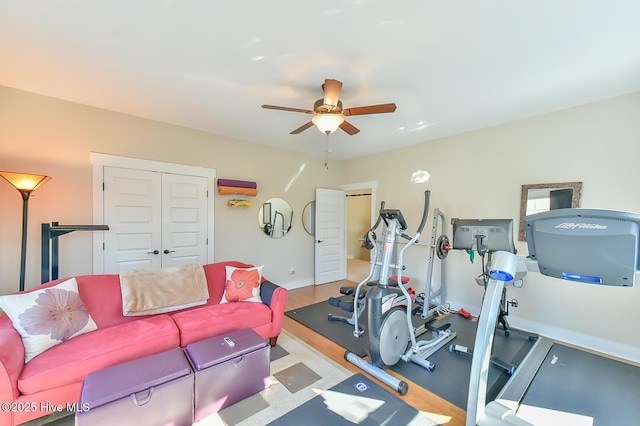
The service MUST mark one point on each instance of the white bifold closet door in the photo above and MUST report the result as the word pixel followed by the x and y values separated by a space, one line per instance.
pixel 155 219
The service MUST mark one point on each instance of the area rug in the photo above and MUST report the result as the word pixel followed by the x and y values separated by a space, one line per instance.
pixel 295 379
pixel 355 401
pixel 298 373
pixel 450 379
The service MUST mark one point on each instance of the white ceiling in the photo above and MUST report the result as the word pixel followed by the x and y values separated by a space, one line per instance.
pixel 450 66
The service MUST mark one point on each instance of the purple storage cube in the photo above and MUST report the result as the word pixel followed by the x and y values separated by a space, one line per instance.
pixel 228 368
pixel 154 390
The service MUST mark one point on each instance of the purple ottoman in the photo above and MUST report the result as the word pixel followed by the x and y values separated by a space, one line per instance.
pixel 228 368
pixel 154 390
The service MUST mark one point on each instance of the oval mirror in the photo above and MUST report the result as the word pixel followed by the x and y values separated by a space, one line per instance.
pixel 275 217
pixel 309 218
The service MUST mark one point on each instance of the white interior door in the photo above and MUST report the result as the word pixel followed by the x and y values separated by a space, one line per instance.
pixel 330 246
pixel 132 208
pixel 184 219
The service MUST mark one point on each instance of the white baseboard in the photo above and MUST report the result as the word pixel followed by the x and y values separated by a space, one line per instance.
pixel 598 344
pixel 297 284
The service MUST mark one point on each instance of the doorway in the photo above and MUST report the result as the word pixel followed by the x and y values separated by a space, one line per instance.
pixel 361 211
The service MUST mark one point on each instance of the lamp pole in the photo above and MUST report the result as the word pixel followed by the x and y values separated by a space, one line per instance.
pixel 23 250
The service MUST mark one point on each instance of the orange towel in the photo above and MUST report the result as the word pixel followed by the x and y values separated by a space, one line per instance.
pixel 228 190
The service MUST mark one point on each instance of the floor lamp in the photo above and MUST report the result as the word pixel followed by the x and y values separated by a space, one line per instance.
pixel 25 184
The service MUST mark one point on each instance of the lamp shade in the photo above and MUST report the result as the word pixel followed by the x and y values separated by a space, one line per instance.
pixel 25 182
pixel 327 122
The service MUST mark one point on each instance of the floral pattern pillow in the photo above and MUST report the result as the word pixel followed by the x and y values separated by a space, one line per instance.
pixel 242 284
pixel 47 317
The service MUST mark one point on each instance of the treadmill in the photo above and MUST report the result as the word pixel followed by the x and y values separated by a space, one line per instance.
pixel 558 384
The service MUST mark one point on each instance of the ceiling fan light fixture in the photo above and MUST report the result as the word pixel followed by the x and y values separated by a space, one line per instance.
pixel 327 122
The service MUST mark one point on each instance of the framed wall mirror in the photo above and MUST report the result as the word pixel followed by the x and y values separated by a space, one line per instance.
pixel 275 217
pixel 542 197
pixel 309 218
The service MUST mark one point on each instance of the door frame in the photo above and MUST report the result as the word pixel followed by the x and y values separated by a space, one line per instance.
pixel 360 186
pixel 100 160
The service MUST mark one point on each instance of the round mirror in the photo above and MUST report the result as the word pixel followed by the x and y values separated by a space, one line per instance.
pixel 309 217
pixel 275 217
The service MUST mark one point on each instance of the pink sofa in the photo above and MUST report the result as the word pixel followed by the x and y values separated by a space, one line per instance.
pixel 52 380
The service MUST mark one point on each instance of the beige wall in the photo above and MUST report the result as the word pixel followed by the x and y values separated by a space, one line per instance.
pixel 44 135
pixel 473 175
pixel 479 175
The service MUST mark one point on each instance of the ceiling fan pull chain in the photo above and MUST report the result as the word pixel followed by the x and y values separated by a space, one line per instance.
pixel 326 152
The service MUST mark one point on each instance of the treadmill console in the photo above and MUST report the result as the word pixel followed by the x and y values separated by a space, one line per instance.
pixel 586 245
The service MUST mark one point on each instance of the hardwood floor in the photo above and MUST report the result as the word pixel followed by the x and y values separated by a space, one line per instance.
pixel 423 400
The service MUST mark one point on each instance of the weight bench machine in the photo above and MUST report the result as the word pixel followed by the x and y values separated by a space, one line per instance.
pixel 356 307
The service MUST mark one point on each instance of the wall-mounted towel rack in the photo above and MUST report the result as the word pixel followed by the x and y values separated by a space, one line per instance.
pixel 239 187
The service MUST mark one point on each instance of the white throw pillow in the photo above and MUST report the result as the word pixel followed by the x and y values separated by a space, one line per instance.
pixel 45 318
pixel 242 284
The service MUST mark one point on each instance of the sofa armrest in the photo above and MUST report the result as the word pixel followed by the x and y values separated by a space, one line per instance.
pixel 275 297
pixel 11 363
pixel 267 288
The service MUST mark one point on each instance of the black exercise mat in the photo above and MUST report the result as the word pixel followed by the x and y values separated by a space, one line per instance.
pixel 356 400
pixel 450 379
pixel 316 318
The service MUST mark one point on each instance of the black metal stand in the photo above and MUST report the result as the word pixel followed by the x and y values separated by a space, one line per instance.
pixel 50 254
pixel 503 313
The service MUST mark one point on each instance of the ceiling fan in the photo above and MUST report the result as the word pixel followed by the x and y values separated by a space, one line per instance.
pixel 328 111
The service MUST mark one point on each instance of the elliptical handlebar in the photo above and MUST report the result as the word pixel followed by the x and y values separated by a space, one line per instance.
pixel 425 215
pixel 425 212
pixel 382 203
pixel 370 236
pixel 386 214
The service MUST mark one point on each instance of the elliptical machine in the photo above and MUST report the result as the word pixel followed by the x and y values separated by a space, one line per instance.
pixel 357 306
pixel 391 333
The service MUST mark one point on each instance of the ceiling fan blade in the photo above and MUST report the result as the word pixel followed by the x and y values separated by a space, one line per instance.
pixel 281 108
pixel 302 128
pixel 371 109
pixel 349 128
pixel 332 90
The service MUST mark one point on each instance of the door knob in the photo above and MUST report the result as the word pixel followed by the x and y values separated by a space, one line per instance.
pixel 167 251
pixel 320 241
pixel 153 252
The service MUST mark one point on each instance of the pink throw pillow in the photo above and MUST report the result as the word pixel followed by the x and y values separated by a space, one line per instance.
pixel 242 284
